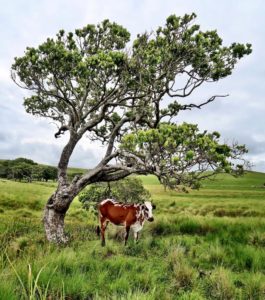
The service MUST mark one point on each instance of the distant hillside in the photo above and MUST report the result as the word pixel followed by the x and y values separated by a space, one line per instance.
pixel 72 171
pixel 250 180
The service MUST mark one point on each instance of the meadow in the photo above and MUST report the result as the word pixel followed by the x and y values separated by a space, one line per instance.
pixel 205 244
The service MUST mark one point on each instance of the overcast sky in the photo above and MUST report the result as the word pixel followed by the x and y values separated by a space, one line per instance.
pixel 239 117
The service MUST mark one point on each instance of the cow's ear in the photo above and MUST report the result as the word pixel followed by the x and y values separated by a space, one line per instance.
pixel 153 206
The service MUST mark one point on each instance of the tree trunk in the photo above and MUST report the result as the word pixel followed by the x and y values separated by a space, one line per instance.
pixel 54 225
pixel 54 214
pixel 58 204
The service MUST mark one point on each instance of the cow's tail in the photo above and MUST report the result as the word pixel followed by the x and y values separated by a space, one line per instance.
pixel 98 230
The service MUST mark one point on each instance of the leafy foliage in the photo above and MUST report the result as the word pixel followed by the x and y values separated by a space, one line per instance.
pixel 180 154
pixel 126 190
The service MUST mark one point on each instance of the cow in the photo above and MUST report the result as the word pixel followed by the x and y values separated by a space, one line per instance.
pixel 130 215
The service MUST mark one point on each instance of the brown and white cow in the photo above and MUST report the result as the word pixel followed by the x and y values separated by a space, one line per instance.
pixel 126 214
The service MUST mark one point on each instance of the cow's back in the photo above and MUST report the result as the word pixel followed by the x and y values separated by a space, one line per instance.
pixel 117 213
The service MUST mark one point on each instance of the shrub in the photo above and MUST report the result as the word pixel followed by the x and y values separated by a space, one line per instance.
pixel 129 189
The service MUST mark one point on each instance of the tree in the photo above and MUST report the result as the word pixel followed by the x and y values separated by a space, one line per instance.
pixel 23 160
pixel 49 172
pixel 4 168
pixel 89 83
pixel 127 190
pixel 37 172
pixel 22 170
pixel 19 168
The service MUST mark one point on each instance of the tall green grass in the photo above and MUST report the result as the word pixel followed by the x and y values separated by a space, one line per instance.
pixel 207 244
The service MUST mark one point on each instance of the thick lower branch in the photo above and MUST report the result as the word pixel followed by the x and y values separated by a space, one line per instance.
pixel 105 173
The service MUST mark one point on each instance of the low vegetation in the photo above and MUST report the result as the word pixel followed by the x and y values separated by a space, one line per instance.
pixel 206 244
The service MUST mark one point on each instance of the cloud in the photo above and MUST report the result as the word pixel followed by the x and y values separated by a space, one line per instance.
pixel 240 116
pixel 45 152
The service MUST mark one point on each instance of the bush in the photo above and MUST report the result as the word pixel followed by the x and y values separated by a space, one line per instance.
pixel 126 190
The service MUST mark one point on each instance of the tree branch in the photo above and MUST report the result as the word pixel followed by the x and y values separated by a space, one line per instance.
pixel 199 106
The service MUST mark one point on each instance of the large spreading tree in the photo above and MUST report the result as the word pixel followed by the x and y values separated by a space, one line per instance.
pixel 93 82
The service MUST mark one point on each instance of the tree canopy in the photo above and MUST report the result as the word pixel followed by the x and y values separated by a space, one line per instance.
pixel 90 82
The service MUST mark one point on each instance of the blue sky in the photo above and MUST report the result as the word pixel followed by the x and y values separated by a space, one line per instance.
pixel 239 117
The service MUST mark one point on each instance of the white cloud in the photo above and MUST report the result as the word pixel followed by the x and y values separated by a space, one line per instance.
pixel 28 23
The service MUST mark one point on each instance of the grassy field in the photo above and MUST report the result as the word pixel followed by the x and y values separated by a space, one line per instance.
pixel 206 244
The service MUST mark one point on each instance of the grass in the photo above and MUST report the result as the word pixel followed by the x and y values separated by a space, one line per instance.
pixel 207 244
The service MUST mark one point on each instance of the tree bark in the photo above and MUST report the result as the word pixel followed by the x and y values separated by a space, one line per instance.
pixel 54 226
pixel 54 214
pixel 58 204
pixel 65 156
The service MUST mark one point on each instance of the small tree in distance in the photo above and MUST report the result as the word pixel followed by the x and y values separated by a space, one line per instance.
pixel 88 82
pixel 49 172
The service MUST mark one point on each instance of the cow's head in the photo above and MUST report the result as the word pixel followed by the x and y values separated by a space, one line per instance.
pixel 148 211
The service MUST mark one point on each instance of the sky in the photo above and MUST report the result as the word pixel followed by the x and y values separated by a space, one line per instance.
pixel 239 117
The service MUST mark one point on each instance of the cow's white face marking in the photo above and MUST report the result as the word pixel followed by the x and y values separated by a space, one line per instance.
pixel 149 207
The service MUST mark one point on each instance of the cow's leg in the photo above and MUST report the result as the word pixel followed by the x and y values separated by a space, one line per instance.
pixel 103 226
pixel 136 236
pixel 127 228
pixel 106 224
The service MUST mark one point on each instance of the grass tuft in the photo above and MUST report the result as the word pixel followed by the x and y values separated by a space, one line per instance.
pixel 220 285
